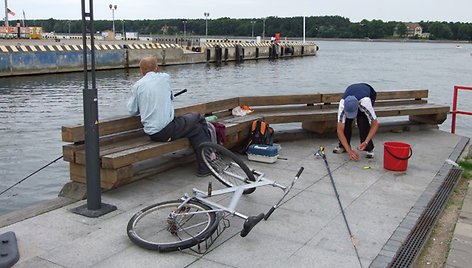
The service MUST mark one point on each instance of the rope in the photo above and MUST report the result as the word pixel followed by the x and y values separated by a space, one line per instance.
pixel 55 160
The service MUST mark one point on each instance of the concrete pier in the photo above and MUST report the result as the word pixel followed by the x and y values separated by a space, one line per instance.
pixel 26 57
pixel 306 231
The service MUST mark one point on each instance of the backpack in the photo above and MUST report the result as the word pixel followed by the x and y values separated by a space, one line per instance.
pixel 260 133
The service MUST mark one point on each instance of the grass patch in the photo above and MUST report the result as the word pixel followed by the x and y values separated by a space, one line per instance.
pixel 466 165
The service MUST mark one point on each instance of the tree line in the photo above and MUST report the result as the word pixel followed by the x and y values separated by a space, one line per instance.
pixel 316 27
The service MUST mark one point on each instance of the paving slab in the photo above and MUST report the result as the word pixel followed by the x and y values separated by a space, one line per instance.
pixel 461 244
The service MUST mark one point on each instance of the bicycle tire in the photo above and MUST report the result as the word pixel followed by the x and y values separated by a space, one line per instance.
pixel 153 228
pixel 226 166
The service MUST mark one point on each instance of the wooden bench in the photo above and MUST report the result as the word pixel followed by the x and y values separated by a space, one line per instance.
pixel 124 144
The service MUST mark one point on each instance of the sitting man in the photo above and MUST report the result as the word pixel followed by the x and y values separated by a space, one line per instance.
pixel 151 98
pixel 357 97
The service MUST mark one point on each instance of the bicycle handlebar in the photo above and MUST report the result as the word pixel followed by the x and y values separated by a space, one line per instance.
pixel 300 172
pixel 271 210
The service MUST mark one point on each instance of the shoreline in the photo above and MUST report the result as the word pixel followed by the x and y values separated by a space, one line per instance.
pixel 66 41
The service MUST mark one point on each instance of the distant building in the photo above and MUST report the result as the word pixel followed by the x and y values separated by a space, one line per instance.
pixel 413 29
pixel 108 35
pixel 165 29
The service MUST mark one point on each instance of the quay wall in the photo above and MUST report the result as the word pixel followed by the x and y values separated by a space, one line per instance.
pixel 38 59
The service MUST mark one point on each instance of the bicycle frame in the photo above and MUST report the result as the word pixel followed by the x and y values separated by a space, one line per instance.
pixel 237 193
pixel 195 216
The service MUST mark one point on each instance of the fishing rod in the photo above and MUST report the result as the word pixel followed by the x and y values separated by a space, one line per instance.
pixel 321 153
pixel 25 178
pixel 180 92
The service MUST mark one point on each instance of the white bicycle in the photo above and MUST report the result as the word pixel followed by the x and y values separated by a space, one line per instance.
pixel 191 220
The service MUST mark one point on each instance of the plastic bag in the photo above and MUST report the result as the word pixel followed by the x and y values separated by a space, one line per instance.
pixel 241 111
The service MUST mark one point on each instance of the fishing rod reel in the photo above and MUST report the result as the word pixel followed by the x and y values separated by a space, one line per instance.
pixel 319 154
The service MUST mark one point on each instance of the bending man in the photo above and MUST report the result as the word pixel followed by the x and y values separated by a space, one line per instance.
pixel 357 97
pixel 151 98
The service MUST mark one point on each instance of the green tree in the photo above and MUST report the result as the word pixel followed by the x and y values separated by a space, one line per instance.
pixel 464 32
pixel 401 29
pixel 440 30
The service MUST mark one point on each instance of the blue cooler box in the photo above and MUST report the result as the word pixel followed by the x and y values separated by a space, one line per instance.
pixel 262 153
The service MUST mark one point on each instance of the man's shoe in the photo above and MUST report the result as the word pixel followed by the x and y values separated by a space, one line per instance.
pixel 204 173
pixel 339 150
pixel 370 154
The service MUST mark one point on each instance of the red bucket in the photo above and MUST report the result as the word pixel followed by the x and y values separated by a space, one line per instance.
pixel 396 155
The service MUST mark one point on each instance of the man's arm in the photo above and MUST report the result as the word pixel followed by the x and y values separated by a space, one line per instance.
pixel 342 138
pixel 132 106
pixel 374 126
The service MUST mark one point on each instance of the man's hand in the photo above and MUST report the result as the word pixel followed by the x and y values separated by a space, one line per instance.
pixel 353 155
pixel 362 146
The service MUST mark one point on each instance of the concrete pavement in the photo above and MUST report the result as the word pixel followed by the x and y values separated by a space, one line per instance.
pixel 308 230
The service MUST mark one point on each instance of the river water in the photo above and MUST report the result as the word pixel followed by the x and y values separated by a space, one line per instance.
pixel 33 108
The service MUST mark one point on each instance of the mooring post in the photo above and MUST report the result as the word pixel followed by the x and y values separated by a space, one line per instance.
pixel 94 206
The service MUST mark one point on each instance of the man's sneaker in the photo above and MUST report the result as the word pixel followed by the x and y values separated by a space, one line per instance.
pixel 339 150
pixel 370 154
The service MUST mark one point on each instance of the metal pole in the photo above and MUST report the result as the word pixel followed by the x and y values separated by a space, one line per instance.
pixel 454 109
pixel 206 14
pixel 303 29
pixel 6 13
pixel 263 29
pixel 113 19
pixel 94 207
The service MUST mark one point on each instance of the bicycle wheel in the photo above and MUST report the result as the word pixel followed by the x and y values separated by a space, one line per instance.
pixel 164 227
pixel 226 166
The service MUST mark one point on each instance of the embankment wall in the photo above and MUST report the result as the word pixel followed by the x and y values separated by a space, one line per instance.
pixel 37 59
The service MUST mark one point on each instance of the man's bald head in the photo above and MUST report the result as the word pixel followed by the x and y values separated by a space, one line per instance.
pixel 148 64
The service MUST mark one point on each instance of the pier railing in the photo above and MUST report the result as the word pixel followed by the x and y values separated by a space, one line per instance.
pixel 454 107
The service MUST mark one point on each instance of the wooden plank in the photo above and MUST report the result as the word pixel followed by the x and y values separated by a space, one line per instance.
pixel 209 107
pixel 80 157
pixel 403 94
pixel 331 97
pixel 199 108
pixel 109 178
pixel 221 105
pixel 137 154
pixel 383 95
pixel 69 150
pixel 429 118
pixel 75 133
pixel 417 109
pixel 320 127
pixel 329 114
pixel 280 100
pixel 281 108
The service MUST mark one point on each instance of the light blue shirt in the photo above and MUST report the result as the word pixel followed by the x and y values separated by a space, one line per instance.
pixel 151 97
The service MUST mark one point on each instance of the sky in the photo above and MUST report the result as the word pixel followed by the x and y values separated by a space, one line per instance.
pixel 385 10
